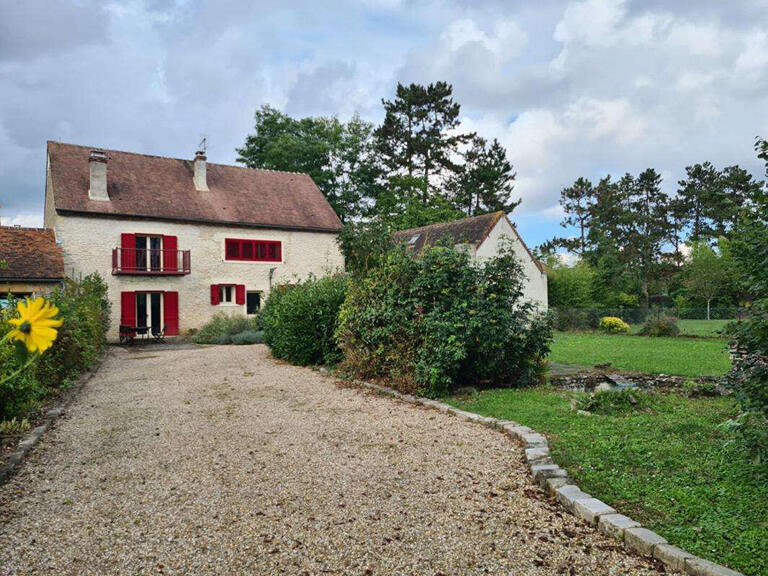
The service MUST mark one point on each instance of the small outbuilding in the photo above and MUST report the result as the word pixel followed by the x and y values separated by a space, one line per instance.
pixel 30 262
pixel 481 237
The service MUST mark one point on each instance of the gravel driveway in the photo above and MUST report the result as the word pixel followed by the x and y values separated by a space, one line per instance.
pixel 221 460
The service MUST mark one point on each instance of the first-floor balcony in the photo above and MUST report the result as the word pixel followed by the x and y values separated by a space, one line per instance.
pixel 150 262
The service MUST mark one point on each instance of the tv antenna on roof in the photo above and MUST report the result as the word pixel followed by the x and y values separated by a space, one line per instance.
pixel 203 146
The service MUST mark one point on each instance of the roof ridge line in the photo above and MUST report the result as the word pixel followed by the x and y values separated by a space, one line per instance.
pixel 174 158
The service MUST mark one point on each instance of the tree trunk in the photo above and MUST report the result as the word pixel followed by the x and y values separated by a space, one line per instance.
pixel 708 301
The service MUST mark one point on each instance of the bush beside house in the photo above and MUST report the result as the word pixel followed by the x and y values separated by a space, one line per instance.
pixel 230 329
pixel 437 321
pixel 84 309
pixel 300 320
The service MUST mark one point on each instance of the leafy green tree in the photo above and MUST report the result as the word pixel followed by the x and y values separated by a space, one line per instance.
pixel 706 274
pixel 418 137
pixel 400 208
pixel 484 183
pixel 570 286
pixel 748 377
pixel 339 157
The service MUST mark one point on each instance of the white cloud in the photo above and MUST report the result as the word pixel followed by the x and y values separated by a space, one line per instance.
pixel 25 219
pixel 571 88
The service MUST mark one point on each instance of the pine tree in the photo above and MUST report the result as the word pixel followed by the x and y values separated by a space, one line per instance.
pixel 418 137
pixel 577 201
pixel 647 226
pixel 484 183
pixel 698 192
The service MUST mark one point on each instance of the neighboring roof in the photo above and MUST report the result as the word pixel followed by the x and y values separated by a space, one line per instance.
pixel 156 187
pixel 472 231
pixel 465 231
pixel 30 254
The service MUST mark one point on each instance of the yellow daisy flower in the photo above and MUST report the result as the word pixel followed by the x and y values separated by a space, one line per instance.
pixel 36 325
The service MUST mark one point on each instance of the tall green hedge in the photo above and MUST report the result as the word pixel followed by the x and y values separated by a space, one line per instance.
pixel 299 321
pixel 437 321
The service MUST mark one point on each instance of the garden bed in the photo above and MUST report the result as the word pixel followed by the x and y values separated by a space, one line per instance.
pixel 670 465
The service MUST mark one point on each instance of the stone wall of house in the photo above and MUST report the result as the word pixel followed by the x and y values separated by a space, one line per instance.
pixel 88 241
pixel 535 287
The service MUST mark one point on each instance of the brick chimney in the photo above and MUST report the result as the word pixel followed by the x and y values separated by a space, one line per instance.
pixel 98 183
pixel 200 178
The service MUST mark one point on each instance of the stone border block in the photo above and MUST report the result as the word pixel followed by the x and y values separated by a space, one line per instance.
pixel 533 440
pixel 591 509
pixel 568 495
pixel 642 540
pixel 537 456
pixel 700 567
pixel 552 484
pixel 615 525
pixel 555 481
pixel 672 556
pixel 517 431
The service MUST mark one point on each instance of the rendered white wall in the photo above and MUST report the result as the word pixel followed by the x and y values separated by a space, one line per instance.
pixel 535 287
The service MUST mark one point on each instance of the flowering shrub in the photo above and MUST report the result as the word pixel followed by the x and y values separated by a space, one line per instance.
pixel 437 321
pixel 53 340
pixel 613 325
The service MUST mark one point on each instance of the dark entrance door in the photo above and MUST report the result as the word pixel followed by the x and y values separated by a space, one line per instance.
pixel 154 313
pixel 141 310
pixel 149 312
pixel 252 302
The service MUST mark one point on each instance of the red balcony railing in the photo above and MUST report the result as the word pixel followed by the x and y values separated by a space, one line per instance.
pixel 151 262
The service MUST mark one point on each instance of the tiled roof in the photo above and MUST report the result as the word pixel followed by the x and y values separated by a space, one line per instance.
pixel 472 231
pixel 30 254
pixel 465 231
pixel 162 188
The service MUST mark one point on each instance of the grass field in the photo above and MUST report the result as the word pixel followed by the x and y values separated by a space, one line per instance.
pixel 705 328
pixel 670 467
pixel 681 356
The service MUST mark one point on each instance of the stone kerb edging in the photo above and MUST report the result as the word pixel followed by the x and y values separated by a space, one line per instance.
pixel 24 446
pixel 556 482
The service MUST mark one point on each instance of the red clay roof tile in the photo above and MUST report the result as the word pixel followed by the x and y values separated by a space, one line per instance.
pixel 162 188
pixel 30 254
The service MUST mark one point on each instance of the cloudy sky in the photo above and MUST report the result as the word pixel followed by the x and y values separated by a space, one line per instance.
pixel 570 88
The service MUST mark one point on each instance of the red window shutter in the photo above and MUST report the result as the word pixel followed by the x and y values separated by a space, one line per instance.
pixel 128 252
pixel 214 294
pixel 171 313
pixel 128 309
pixel 240 294
pixel 170 256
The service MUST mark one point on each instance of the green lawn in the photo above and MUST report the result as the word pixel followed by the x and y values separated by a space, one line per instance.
pixel 670 467
pixel 682 356
pixel 705 328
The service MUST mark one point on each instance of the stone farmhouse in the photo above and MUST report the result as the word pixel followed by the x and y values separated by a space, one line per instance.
pixel 31 263
pixel 181 240
pixel 481 236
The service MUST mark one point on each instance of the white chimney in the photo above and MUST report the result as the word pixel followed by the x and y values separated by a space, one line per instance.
pixel 98 186
pixel 201 181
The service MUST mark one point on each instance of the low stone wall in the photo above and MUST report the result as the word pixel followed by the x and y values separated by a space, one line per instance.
pixel 558 485
pixel 589 381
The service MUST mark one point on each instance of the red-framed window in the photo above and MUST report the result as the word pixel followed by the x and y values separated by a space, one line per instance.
pixel 253 250
pixel 227 294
